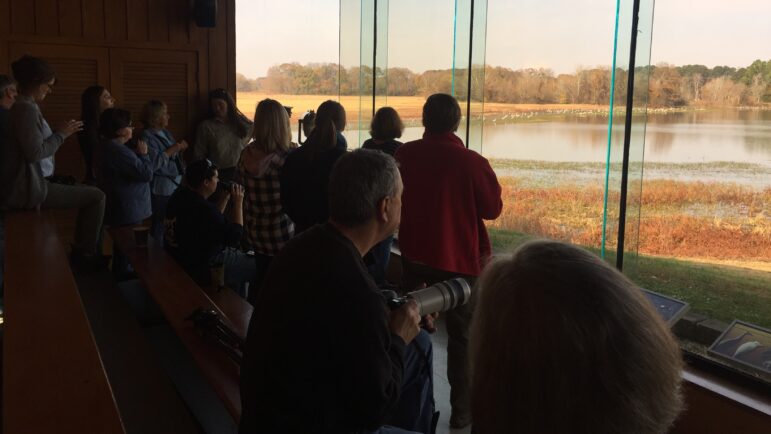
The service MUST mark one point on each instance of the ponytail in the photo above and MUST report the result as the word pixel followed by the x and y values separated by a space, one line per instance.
pixel 330 120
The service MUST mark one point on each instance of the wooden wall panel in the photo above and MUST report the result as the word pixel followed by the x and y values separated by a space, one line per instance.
pixel 5 60
pixel 170 76
pixel 5 17
pixel 137 15
pixel 22 17
pixel 115 20
pixel 158 19
pixel 218 76
pixel 47 17
pixel 230 34
pixel 133 38
pixel 179 22
pixel 93 19
pixel 71 18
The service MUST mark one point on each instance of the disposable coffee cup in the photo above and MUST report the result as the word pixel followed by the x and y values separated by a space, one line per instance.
pixel 217 273
pixel 140 235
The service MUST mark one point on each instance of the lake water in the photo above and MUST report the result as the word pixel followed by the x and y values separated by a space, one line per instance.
pixel 688 137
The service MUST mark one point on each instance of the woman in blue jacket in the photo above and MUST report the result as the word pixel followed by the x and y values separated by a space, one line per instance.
pixel 126 172
pixel 167 161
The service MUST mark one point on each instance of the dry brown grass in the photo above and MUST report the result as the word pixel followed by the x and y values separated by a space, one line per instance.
pixel 409 107
pixel 679 219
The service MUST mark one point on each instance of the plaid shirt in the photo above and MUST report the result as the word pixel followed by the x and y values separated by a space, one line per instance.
pixel 268 227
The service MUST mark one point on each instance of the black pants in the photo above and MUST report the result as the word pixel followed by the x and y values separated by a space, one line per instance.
pixel 458 322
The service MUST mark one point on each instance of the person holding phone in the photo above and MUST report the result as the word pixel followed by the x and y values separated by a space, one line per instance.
pixel 126 172
pixel 199 235
pixel 29 160
pixel 166 155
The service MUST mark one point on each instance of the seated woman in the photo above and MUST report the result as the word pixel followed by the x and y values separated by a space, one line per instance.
pixel 385 128
pixel 268 226
pixel 125 174
pixel 562 342
pixel 305 175
pixel 126 170
pixel 93 101
pixel 223 134
pixel 28 159
pixel 167 161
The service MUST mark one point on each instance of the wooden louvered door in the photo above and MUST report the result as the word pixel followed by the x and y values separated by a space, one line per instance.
pixel 76 69
pixel 169 76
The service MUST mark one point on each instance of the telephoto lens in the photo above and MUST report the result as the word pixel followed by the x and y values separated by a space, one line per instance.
pixel 442 296
pixel 439 297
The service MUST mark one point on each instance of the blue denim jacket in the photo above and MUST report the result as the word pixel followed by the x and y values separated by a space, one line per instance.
pixel 168 170
pixel 125 180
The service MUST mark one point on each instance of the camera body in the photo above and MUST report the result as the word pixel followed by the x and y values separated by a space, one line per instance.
pixel 440 297
pixel 225 185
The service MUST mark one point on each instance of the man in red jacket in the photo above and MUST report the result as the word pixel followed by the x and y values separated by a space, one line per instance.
pixel 448 192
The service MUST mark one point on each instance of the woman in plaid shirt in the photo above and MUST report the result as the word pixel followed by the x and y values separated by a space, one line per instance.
pixel 268 227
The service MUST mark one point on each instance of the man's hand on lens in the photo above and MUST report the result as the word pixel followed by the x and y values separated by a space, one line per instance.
pixel 405 321
pixel 428 322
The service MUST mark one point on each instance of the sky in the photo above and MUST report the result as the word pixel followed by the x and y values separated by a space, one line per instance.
pixel 557 34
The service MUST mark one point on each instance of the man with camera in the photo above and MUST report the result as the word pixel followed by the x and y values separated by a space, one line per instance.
pixel 323 353
pixel 199 236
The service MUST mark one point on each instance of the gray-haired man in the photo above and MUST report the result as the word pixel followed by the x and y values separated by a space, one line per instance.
pixel 323 353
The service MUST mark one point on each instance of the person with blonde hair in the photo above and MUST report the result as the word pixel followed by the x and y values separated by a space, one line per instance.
pixel 562 342
pixel 166 155
pixel 268 227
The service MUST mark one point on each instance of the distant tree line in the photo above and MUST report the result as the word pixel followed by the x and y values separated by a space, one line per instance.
pixel 668 85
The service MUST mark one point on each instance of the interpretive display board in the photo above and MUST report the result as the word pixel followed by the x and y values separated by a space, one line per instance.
pixel 745 344
pixel 670 309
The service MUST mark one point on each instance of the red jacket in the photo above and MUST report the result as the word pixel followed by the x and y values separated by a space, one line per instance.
pixel 448 191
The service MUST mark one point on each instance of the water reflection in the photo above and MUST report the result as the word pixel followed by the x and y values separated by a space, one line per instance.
pixel 687 137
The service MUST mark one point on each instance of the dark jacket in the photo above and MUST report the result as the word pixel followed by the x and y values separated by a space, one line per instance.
pixel 389 146
pixel 125 179
pixel 319 355
pixel 196 231
pixel 304 184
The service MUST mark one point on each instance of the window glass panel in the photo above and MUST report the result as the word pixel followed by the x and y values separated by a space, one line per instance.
pixel 546 103
pixel 289 51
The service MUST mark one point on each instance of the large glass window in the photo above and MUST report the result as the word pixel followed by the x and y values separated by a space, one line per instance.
pixel 288 50
pixel 679 171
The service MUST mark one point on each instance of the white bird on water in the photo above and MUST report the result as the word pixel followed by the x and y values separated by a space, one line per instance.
pixel 746 348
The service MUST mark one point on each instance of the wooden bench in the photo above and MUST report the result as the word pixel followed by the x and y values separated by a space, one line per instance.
pixel 178 296
pixel 54 379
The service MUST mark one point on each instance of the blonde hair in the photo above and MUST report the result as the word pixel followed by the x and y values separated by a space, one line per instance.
pixel 562 342
pixel 271 127
pixel 151 113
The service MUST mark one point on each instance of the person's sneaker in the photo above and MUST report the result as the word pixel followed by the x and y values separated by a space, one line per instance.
pixel 459 420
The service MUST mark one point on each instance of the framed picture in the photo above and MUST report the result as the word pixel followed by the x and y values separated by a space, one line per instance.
pixel 670 309
pixel 745 344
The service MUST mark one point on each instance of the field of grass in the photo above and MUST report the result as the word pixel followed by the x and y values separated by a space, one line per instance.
pixel 714 221
pixel 717 291
pixel 409 107
pixel 708 243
